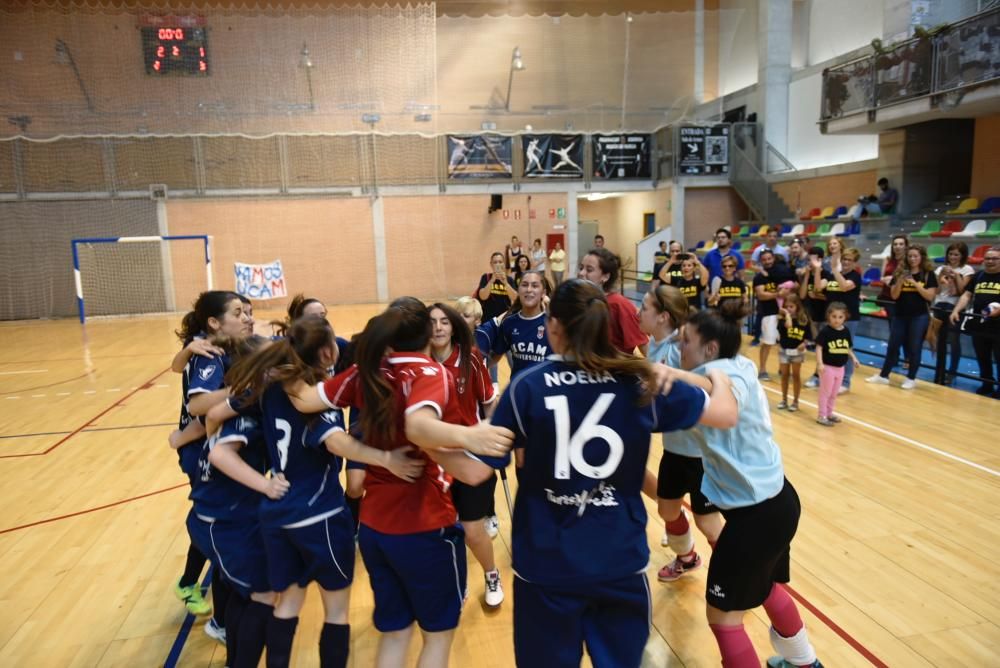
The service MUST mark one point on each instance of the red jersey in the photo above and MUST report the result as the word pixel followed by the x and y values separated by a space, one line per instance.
pixel 474 391
pixel 624 326
pixel 393 505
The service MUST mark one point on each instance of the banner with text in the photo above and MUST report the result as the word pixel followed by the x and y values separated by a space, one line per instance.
pixel 480 157
pixel 622 156
pixel 704 150
pixel 261 281
pixel 553 156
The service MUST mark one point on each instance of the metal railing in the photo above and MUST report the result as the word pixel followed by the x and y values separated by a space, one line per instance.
pixel 958 56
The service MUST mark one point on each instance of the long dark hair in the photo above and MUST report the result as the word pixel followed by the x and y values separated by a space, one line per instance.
pixel 296 309
pixel 516 305
pixel 611 265
pixel 295 357
pixel 582 311
pixel 210 304
pixel 405 327
pixel 721 324
pixel 461 337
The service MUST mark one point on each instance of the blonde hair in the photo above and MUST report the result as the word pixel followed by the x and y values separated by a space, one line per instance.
pixel 851 254
pixel 469 305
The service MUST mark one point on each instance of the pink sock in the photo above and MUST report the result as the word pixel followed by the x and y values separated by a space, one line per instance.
pixel 680 526
pixel 735 646
pixel 782 611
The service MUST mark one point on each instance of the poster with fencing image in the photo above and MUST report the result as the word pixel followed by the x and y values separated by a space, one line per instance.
pixel 552 156
pixel 480 157
pixel 622 156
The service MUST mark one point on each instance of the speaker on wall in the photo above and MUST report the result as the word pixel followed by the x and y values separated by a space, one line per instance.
pixel 496 203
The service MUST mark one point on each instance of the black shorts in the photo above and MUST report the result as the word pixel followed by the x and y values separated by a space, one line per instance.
pixel 753 552
pixel 680 475
pixel 474 502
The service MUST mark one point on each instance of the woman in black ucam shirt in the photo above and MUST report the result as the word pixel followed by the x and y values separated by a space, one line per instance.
pixel 843 284
pixel 983 290
pixel 692 281
pixel 913 289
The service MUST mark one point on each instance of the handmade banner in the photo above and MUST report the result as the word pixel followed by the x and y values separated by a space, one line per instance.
pixel 479 157
pixel 261 281
pixel 622 156
pixel 553 156
pixel 704 150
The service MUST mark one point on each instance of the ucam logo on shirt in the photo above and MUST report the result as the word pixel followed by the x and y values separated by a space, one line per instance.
pixel 206 372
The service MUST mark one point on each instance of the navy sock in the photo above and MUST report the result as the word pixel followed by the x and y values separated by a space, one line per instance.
pixel 220 598
pixel 234 616
pixel 334 645
pixel 252 634
pixel 280 633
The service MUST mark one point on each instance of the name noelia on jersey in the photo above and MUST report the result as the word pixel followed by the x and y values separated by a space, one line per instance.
pixel 579 516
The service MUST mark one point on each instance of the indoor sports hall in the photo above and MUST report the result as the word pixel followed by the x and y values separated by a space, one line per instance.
pixel 358 152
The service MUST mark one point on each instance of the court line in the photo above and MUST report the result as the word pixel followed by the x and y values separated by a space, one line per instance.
pixel 185 629
pixel 91 421
pixel 17 373
pixel 901 438
pixel 88 431
pixel 94 509
pixel 42 387
pixel 844 635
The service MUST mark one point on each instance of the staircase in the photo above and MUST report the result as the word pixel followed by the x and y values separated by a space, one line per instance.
pixel 751 183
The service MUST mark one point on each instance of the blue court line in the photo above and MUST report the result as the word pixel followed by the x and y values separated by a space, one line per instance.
pixel 185 630
pixel 60 433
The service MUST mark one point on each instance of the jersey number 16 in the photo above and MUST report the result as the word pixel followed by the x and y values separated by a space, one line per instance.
pixel 569 446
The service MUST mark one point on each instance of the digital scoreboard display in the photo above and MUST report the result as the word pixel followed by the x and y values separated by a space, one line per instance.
pixel 175 45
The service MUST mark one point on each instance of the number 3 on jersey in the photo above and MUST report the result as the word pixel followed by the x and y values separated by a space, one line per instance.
pixel 285 428
pixel 569 447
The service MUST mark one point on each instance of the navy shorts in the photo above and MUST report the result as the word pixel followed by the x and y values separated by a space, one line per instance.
pixel 236 550
pixel 552 624
pixel 753 552
pixel 415 577
pixel 321 552
pixel 188 457
pixel 680 475
pixel 474 502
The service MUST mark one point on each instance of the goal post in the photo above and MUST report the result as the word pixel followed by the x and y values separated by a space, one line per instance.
pixel 162 285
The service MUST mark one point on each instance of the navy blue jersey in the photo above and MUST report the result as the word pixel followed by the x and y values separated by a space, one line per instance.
pixel 217 496
pixel 201 375
pixel 297 451
pixel 579 516
pixel 526 338
pixel 486 336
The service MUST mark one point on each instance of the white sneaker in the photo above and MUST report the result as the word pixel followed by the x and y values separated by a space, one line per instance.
pixel 909 384
pixel 812 382
pixel 843 389
pixel 492 525
pixel 494 592
pixel 877 380
pixel 214 631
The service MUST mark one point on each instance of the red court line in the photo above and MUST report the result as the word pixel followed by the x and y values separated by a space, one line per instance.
pixel 832 625
pixel 144 386
pixel 93 510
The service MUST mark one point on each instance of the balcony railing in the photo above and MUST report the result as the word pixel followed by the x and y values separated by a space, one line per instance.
pixel 960 55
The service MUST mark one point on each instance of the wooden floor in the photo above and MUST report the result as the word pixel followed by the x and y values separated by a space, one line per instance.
pixel 895 561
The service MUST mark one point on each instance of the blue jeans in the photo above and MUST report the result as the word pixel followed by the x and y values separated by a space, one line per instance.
pixel 852 327
pixel 908 332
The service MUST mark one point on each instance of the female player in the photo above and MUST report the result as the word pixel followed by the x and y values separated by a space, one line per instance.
pixel 308 535
pixel 522 332
pixel 729 286
pixel 215 313
pixel 913 289
pixel 664 311
pixel 451 345
pixel 582 422
pixel 745 479
pixel 834 351
pixel 410 544
pixel 603 268
pixel 793 327
pixel 693 280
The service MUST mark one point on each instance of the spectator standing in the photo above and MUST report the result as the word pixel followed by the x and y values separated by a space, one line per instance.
pixel 952 277
pixel 660 258
pixel 983 291
pixel 771 244
pixel 538 256
pixel 723 248
pixel 514 251
pixel 496 290
pixel 557 259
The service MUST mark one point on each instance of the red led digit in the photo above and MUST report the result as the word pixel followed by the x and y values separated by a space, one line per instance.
pixel 160 52
pixel 156 65
pixel 202 66
pixel 179 34
pixel 175 51
pixel 201 52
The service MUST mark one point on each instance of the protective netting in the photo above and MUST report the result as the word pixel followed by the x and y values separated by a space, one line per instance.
pixel 273 128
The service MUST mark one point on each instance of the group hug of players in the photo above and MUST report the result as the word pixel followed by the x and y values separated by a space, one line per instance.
pixel 262 437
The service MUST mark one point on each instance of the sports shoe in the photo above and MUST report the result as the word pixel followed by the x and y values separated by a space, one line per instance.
pixel 908 384
pixel 793 407
pixel 825 421
pixel 492 525
pixel 214 631
pixel 782 405
pixel 676 568
pixel 665 541
pixel 494 592
pixel 779 662
pixel 812 383
pixel 985 390
pixel 755 343
pixel 834 419
pixel 763 376
pixel 843 389
pixel 193 601
pixel 877 380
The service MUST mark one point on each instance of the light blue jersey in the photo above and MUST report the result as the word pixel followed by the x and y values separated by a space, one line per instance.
pixel 686 443
pixel 743 464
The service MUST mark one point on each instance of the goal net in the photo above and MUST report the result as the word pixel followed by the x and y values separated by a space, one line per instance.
pixel 132 275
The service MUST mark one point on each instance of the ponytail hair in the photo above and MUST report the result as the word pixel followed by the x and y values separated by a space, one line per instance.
pixel 668 299
pixel 210 304
pixel 582 311
pixel 405 327
pixel 296 309
pixel 721 325
pixel 461 337
pixel 611 265
pixel 295 357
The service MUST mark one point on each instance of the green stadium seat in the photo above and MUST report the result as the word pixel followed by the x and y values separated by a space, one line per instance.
pixel 992 232
pixel 929 228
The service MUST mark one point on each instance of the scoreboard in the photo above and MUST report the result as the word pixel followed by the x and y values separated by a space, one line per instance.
pixel 175 45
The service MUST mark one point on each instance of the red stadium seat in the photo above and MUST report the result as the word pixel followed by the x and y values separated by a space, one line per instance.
pixel 949 229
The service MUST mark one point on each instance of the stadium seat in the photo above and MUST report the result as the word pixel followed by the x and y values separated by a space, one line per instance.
pixel 833 230
pixel 871 275
pixel 823 229
pixel 884 255
pixel 930 227
pixel 992 232
pixel 977 255
pixel 966 206
pixel 828 211
pixel 754 246
pixel 754 229
pixel 972 229
pixel 872 309
pixel 837 213
pixel 698 246
pixel 820 244
pixel 948 229
pixel 936 252
pixel 810 229
pixel 736 245
pixel 744 231
pixel 853 212
pixel 797 230
pixel 989 205
pixel 762 232
pixel 812 213
pixel 851 230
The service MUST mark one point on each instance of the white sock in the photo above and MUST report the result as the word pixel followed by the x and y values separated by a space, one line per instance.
pixel 796 650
